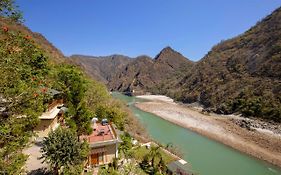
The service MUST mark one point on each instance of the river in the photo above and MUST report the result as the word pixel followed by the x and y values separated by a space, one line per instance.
pixel 207 157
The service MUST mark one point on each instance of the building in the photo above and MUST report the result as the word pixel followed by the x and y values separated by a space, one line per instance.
pixel 53 116
pixel 103 143
pixel 179 167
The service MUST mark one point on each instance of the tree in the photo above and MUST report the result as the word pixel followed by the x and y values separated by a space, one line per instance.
pixel 131 169
pixel 154 153
pixel 62 149
pixel 96 95
pixel 82 119
pixel 24 69
pixel 145 164
pixel 74 85
pixel 113 111
pixel 10 10
pixel 126 145
pixel 153 162
pixel 161 167
pixel 73 170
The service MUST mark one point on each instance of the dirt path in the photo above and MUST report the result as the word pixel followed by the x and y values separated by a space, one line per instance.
pixel 264 146
pixel 33 163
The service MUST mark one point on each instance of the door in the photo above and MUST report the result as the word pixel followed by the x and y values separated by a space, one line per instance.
pixel 95 159
pixel 101 158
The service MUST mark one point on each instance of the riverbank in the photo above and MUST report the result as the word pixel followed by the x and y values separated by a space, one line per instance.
pixel 263 145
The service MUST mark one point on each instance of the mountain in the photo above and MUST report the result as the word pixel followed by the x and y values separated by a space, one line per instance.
pixel 54 53
pixel 239 75
pixel 242 74
pixel 145 74
pixel 101 68
pixel 141 74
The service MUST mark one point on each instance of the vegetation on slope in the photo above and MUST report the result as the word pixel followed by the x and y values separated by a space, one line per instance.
pixel 101 68
pixel 144 74
pixel 140 159
pixel 12 18
pixel 241 74
pixel 9 10
pixel 62 149
pixel 24 74
pixel 55 55
pixel 141 74
pixel 28 69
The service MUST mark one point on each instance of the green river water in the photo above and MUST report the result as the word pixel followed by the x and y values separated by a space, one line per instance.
pixel 207 157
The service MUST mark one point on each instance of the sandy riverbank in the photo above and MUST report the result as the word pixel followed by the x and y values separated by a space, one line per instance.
pixel 263 145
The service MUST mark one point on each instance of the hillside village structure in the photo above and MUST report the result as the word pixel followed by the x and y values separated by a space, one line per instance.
pixel 103 142
pixel 52 118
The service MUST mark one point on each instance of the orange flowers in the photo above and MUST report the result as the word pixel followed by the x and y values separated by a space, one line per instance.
pixel 5 28
pixel 27 37
pixel 44 90
pixel 35 95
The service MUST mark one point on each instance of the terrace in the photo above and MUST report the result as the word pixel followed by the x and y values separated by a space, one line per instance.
pixel 102 135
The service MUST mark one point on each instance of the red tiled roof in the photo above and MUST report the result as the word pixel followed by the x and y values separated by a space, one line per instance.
pixel 100 133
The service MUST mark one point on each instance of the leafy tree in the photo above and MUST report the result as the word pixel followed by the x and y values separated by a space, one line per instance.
pixel 131 169
pixel 161 167
pixel 73 170
pixel 252 105
pixel 154 153
pixel 62 149
pixel 113 112
pixel 96 95
pixel 74 85
pixel 126 145
pixel 24 69
pixel 145 164
pixel 9 9
pixel 153 162
pixel 12 164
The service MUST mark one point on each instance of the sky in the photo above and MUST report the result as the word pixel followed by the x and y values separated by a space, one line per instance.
pixel 142 27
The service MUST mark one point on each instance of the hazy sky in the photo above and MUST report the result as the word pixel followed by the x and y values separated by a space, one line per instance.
pixel 135 27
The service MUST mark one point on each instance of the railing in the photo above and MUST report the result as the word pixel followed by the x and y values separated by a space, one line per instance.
pixel 54 103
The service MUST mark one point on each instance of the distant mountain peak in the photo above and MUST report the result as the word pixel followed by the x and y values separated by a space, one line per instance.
pixel 170 56
pixel 168 49
pixel 165 52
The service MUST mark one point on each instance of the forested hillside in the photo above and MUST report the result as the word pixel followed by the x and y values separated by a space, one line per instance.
pixel 101 68
pixel 51 51
pixel 137 75
pixel 29 67
pixel 150 75
pixel 242 74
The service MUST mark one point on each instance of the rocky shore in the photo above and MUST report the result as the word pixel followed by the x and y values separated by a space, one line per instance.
pixel 257 138
pixel 261 126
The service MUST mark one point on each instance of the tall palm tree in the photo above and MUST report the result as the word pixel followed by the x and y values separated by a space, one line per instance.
pixel 154 153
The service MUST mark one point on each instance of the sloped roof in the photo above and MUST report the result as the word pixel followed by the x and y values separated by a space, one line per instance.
pixel 52 92
pixel 180 167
